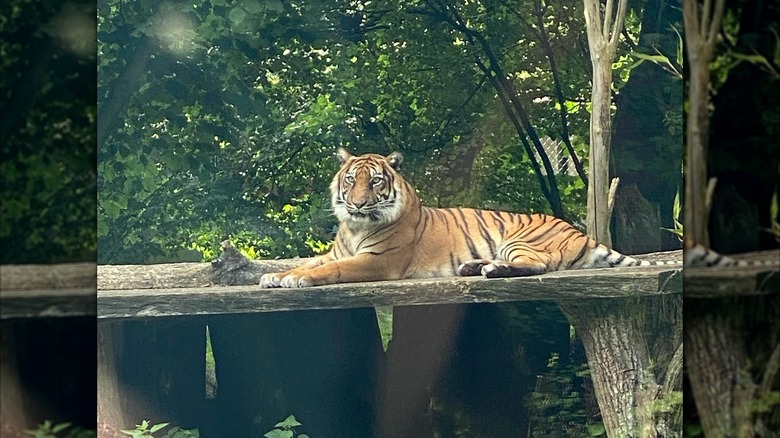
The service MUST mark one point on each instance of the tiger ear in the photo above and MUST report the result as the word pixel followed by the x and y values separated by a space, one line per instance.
pixel 343 155
pixel 395 159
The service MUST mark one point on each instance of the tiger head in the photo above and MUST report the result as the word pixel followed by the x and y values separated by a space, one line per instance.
pixel 368 190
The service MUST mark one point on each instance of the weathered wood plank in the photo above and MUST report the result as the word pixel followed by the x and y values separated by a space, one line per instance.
pixel 230 269
pixel 731 282
pixel 54 276
pixel 594 283
pixel 44 291
pixel 175 275
pixel 15 304
pixel 735 281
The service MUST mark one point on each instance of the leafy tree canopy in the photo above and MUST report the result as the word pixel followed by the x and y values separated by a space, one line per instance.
pixel 47 132
pixel 220 118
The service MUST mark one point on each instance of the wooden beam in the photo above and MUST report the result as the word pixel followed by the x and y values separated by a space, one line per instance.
pixel 731 282
pixel 47 303
pixel 54 276
pixel 735 281
pixel 45 291
pixel 593 283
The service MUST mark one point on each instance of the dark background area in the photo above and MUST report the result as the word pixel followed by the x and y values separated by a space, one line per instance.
pixel 47 196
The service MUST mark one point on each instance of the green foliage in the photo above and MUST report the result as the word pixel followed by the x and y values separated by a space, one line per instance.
pixel 146 429
pixel 285 429
pixel 693 430
pixel 774 217
pixel 211 368
pixel 61 430
pixel 220 119
pixel 47 134
pixel 178 432
pixel 671 403
pixel 677 212
pixel 384 317
pixel 768 402
pixel 560 406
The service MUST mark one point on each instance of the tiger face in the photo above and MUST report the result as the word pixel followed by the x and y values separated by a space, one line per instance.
pixel 365 191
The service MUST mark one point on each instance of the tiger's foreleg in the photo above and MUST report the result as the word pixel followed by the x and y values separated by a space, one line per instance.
pixel 362 267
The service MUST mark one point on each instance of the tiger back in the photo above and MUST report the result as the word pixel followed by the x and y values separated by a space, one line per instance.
pixel 386 234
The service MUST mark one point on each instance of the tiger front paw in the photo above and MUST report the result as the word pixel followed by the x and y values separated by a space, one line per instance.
pixel 285 279
pixel 296 280
pixel 273 279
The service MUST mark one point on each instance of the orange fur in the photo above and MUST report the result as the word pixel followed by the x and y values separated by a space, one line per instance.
pixel 386 234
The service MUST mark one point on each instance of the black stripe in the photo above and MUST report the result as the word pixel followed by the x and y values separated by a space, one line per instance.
pixel 579 256
pixel 443 218
pixel 544 235
pixel 530 228
pixel 499 222
pixel 453 265
pixel 483 229
pixel 389 236
pixel 379 252
pixel 466 237
pixel 425 224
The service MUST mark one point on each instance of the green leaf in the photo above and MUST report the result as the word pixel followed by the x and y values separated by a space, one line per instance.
pixel 596 429
pixel 237 15
pixel 253 6
pixel 157 427
pixel 274 5
pixel 288 422
pixel 60 427
pixel 279 433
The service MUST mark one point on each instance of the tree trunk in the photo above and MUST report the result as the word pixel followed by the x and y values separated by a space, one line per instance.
pixel 598 217
pixel 696 214
pixel 732 353
pixel 13 419
pixel 643 131
pixel 110 418
pixel 634 371
pixel 701 29
pixel 603 36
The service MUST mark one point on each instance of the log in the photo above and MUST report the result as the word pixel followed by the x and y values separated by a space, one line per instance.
pixel 54 276
pixel 593 283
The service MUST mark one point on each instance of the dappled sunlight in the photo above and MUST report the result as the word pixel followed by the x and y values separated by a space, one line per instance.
pixel 75 30
pixel 175 31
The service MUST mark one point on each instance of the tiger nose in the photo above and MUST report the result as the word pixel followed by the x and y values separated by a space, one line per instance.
pixel 360 204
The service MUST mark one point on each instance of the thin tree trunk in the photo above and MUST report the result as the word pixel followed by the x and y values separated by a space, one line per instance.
pixel 600 132
pixel 701 29
pixel 603 36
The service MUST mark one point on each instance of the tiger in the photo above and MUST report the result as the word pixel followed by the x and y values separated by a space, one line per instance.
pixel 385 233
pixel 696 255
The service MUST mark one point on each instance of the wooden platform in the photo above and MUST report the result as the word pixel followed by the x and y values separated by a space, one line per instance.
pixel 595 283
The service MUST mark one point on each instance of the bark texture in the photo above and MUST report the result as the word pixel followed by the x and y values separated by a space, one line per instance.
pixel 603 36
pixel 636 369
pixel 732 351
pixel 702 23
